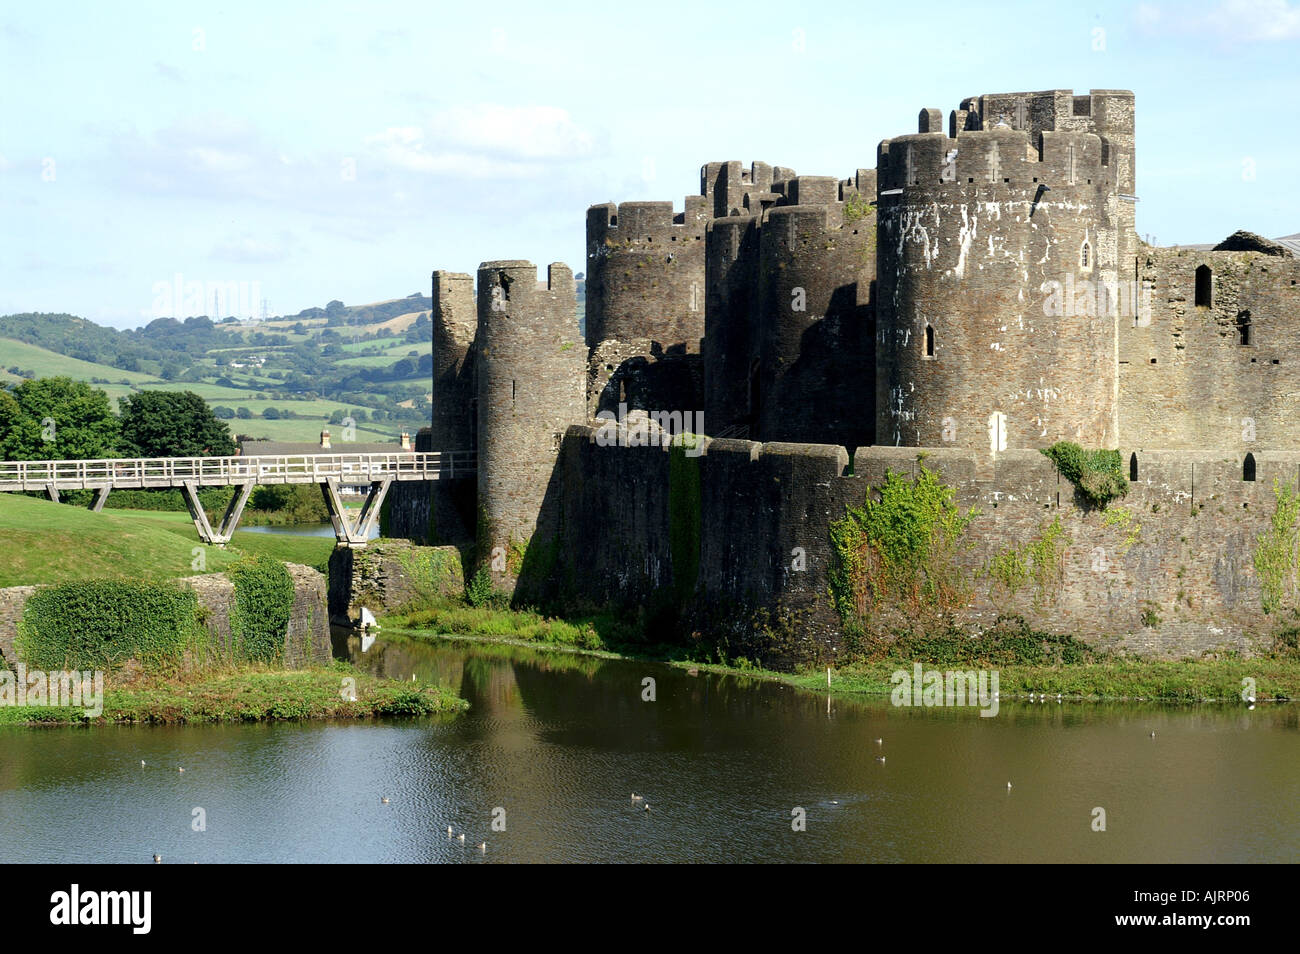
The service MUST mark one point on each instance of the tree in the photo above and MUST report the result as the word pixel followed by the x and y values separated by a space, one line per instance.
pixel 271 414
pixel 57 419
pixel 243 413
pixel 172 424
pixel 221 412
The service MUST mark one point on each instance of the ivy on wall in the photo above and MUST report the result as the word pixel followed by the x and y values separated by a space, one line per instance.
pixel 259 619
pixel 99 624
pixel 685 515
pixel 900 547
pixel 1276 550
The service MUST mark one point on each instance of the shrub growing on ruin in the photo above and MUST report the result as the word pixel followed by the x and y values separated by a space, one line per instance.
pixel 1097 474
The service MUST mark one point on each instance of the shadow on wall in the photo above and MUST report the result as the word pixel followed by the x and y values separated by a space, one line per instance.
pixel 828 394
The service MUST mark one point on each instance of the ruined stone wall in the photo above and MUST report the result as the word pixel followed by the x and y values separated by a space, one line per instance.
pixel 390 575
pixel 306 641
pixel 1186 378
pixel 1167 571
pixel 454 422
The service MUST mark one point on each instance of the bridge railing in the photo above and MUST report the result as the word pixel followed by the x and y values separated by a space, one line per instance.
pixel 217 471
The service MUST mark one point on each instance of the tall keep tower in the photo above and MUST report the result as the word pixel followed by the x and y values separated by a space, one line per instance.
pixel 1001 246
pixel 530 386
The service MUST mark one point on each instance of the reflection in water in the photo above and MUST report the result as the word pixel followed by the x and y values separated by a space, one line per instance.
pixel 560 741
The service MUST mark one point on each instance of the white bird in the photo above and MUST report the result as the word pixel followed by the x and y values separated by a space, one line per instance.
pixel 157 859
pixel 647 806
pixel 880 758
pixel 636 797
pixel 880 741
pixel 142 763
pixel 483 847
pixel 1153 735
pixel 1008 786
pixel 179 769
pixel 1031 697
pixel 383 799
pixel 449 831
pixel 460 837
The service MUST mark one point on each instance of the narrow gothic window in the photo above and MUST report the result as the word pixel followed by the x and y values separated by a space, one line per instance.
pixel 1248 468
pixel 1084 256
pixel 1204 284
pixel 1133 467
pixel 1243 327
pixel 929 341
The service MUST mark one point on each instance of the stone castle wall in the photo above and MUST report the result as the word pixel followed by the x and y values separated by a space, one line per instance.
pixel 1167 571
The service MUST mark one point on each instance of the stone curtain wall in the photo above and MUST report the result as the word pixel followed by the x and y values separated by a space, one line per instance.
pixel 1186 381
pixel 1167 571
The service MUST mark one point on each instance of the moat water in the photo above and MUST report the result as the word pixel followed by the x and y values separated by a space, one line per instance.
pixel 555 745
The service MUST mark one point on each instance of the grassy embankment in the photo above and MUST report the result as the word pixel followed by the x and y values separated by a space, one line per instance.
pixel 1026 662
pixel 42 542
pixel 46 543
pixel 250 694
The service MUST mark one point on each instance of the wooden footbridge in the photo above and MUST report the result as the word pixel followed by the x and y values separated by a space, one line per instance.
pixel 376 472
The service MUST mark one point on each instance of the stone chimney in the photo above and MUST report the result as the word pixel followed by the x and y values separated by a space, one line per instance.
pixel 325 440
pixel 406 441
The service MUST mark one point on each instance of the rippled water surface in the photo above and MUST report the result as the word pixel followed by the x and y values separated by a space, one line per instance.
pixel 556 744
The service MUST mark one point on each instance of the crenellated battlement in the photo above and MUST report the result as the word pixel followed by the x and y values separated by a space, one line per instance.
pixel 631 223
pixel 933 162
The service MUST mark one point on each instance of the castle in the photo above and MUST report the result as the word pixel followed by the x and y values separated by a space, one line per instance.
pixel 980 294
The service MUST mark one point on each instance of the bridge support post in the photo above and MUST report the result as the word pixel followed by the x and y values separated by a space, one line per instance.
pixel 220 536
pixel 347 533
pixel 101 495
pixel 52 492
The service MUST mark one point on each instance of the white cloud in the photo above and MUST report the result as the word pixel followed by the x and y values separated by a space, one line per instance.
pixel 1240 21
pixel 1256 20
pixel 488 141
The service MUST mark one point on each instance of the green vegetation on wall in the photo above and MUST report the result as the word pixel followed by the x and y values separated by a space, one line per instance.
pixel 899 547
pixel 99 624
pixel 1039 561
pixel 1097 474
pixel 1276 551
pixel 259 619
pixel 685 513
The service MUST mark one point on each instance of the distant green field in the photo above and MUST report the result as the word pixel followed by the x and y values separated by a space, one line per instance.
pixel 309 431
pixel 47 364
pixel 372 360
pixel 389 345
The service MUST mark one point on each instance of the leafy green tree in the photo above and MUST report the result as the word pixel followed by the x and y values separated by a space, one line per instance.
pixel 172 424
pixel 57 419
pixel 243 413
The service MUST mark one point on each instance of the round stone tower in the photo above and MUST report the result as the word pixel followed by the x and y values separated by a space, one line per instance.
pixel 1001 247
pixel 817 263
pixel 530 387
pixel 645 274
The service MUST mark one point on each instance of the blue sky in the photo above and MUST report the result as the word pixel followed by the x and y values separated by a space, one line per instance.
pixel 321 151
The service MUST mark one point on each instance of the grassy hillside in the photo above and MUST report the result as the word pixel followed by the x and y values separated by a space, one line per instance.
pixel 45 542
pixel 334 361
